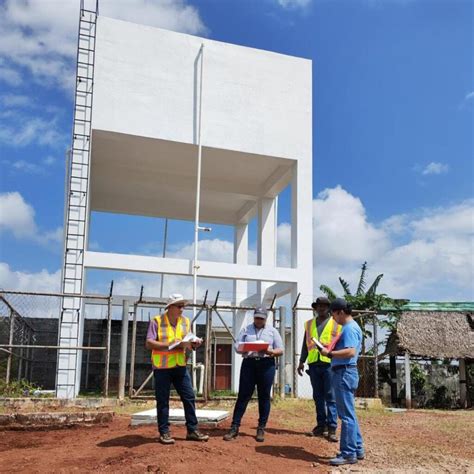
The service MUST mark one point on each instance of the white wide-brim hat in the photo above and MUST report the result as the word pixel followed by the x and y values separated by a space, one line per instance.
pixel 176 298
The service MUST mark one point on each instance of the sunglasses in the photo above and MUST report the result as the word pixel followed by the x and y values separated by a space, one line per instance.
pixel 180 306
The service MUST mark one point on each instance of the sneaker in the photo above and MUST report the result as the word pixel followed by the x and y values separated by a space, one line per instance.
pixel 260 435
pixel 332 435
pixel 360 455
pixel 166 438
pixel 196 436
pixel 231 434
pixel 340 461
pixel 318 431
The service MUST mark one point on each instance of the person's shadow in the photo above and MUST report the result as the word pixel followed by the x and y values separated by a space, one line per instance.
pixel 284 431
pixel 127 441
pixel 291 452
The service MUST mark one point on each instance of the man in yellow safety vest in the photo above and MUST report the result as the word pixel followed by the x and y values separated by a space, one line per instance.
pixel 165 339
pixel 324 329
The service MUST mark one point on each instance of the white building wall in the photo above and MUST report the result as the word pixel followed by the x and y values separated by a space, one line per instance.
pixel 253 100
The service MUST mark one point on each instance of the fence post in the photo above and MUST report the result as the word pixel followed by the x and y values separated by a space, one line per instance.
pixel 282 360
pixel 123 350
pixel 295 350
pixel 10 342
pixel 107 345
pixel 132 351
pixel 376 358
pixel 208 356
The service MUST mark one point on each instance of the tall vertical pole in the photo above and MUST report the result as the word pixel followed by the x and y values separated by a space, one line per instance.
pixel 108 348
pixel 133 349
pixel 196 219
pixel 407 381
pixel 294 350
pixel 10 341
pixel 282 360
pixel 123 350
pixel 376 358
pixel 462 383
pixel 165 239
pixel 393 380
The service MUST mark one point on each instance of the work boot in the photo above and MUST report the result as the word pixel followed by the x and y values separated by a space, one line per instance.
pixel 231 434
pixel 317 431
pixel 166 438
pixel 260 435
pixel 196 436
pixel 332 435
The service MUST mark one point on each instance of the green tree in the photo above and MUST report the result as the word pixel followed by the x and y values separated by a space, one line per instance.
pixel 369 300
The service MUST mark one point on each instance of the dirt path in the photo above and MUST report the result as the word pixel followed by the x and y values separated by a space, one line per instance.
pixel 407 442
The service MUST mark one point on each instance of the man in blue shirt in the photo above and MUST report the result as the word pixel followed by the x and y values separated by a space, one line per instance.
pixel 345 381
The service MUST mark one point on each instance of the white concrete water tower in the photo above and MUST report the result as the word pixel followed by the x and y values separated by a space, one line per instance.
pixel 150 105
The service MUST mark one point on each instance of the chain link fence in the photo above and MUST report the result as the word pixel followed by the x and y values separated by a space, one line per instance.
pixel 29 328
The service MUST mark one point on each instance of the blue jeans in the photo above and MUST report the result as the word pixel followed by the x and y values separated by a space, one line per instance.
pixel 323 395
pixel 260 373
pixel 345 381
pixel 179 377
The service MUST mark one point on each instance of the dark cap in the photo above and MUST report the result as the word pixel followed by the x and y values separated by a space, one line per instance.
pixel 340 304
pixel 320 300
pixel 260 312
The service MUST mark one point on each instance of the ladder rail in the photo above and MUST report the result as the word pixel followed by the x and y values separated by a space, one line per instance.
pixel 77 201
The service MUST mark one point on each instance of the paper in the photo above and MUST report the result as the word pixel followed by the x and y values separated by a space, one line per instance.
pixel 190 337
pixel 254 346
pixel 318 344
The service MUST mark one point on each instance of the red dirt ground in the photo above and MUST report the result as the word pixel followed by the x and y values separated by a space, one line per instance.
pixel 418 441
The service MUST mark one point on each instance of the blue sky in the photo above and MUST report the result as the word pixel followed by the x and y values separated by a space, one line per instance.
pixel 393 150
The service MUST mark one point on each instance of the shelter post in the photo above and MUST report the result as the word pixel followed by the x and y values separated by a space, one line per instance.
pixel 407 381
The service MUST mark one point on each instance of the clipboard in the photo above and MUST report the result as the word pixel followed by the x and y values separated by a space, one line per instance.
pixel 329 347
pixel 255 346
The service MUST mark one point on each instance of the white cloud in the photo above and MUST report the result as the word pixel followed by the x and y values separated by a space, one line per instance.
pixel 26 281
pixel 15 100
pixel 23 166
pixel 339 224
pixel 40 36
pixel 8 74
pixel 22 130
pixel 469 96
pixel 18 218
pixel 435 168
pixel 293 3
pixel 424 255
pixel 16 215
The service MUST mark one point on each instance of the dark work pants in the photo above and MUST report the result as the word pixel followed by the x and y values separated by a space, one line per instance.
pixel 323 395
pixel 255 372
pixel 179 377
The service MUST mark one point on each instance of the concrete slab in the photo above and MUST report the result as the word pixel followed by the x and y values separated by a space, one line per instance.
pixel 205 417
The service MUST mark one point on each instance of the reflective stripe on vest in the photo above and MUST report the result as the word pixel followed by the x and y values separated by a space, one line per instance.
pixel 331 330
pixel 167 333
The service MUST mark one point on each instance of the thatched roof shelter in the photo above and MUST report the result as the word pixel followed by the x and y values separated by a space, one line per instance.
pixel 434 334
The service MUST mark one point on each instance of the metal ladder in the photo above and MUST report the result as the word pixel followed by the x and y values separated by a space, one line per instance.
pixel 77 202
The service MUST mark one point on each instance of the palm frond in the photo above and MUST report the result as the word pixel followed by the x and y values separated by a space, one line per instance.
pixel 373 288
pixel 345 285
pixel 361 285
pixel 328 292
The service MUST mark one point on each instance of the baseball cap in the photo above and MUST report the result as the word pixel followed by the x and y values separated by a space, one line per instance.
pixel 260 312
pixel 340 304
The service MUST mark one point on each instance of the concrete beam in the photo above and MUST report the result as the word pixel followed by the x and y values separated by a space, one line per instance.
pixel 176 266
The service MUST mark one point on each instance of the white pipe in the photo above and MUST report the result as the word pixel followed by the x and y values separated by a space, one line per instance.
pixel 164 255
pixel 200 367
pixel 198 199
